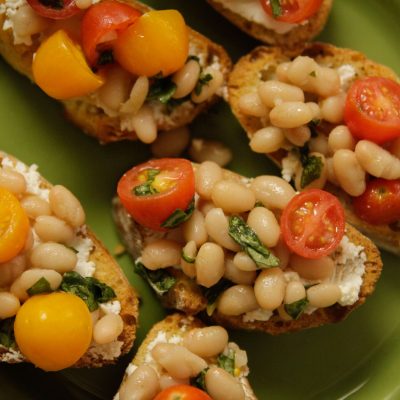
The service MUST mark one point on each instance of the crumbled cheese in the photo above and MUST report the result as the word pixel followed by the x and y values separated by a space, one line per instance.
pixel 11 356
pixel 257 315
pixel 253 11
pixel 111 307
pixel 108 351
pixel 290 164
pixel 347 73
pixel 84 246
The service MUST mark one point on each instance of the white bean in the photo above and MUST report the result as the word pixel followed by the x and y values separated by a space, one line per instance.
pixel 275 92
pixel 137 97
pixel 291 114
pixel 283 253
pixel 377 161
pixel 323 295
pixel 315 110
pixel 349 173
pixel 9 305
pixel 171 143
pixel 108 328
pixel 210 88
pixel 53 256
pixel 142 384
pixel 236 300
pixel 244 262
pixel 272 191
pixel 327 82
pixel 265 225
pixel 144 125
pixel 206 342
pixel 209 264
pixel 238 276
pixel 269 288
pixel 319 144
pixel 330 172
pixel 194 229
pixel 251 104
pixel 281 71
pixel 340 137
pixel 312 269
pixel 332 108
pixel 35 206
pixel 167 381
pixel 53 229
pixel 301 71
pixel 206 176
pixel 298 136
pixel 177 360
pixel 295 291
pixel 221 385
pixel 162 253
pixel 267 140
pixel 12 269
pixel 210 150
pixel 12 181
pixel 186 79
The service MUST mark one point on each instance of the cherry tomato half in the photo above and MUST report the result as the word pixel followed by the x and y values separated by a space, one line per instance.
pixel 151 192
pixel 100 25
pixel 313 223
pixel 380 203
pixel 372 109
pixel 292 11
pixel 55 9
pixel 182 392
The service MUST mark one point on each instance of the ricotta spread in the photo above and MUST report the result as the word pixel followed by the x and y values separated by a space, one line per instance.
pixel 290 164
pixel 347 74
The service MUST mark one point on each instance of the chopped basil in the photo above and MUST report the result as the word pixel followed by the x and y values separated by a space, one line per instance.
pixel 192 57
pixel 241 233
pixel 7 338
pixel 178 216
pixel 41 286
pixel 146 188
pixel 160 280
pixel 106 57
pixel 89 289
pixel 212 293
pixel 312 168
pixel 203 80
pixel 297 308
pixel 161 89
pixel 258 204
pixel 313 74
pixel 55 4
pixel 313 127
pixel 276 8
pixel 227 362
pixel 199 381
pixel 187 258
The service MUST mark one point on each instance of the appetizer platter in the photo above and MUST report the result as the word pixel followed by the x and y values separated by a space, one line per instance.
pixel 357 358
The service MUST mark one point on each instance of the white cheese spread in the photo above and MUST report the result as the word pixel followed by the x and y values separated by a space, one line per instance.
pixel 347 74
pixel 111 307
pixel 108 351
pixel 257 315
pixel 290 164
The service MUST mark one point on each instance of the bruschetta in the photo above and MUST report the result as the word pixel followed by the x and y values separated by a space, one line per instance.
pixel 182 357
pixel 289 24
pixel 351 129
pixel 120 69
pixel 64 300
pixel 248 253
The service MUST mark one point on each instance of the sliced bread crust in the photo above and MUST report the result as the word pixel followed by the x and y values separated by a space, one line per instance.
pixel 246 76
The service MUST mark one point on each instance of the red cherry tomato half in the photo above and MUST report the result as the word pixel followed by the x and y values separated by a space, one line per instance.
pixel 380 203
pixel 55 9
pixel 313 223
pixel 372 109
pixel 182 392
pixel 292 11
pixel 100 25
pixel 151 192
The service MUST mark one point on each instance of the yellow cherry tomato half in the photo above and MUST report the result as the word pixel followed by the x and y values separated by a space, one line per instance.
pixel 158 42
pixel 60 69
pixel 14 226
pixel 54 330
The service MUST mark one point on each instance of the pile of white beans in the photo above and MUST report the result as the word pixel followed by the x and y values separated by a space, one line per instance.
pixel 47 252
pixel 205 239
pixel 175 363
pixel 282 105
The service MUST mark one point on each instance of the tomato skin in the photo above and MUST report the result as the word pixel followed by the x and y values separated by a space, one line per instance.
pixel 313 223
pixel 152 210
pixel 372 109
pixel 101 19
pixel 293 13
pixel 380 203
pixel 182 392
pixel 68 10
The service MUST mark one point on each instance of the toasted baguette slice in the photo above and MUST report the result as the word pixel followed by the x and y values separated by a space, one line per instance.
pixel 84 112
pixel 295 37
pixel 187 296
pixel 106 271
pixel 246 76
pixel 173 326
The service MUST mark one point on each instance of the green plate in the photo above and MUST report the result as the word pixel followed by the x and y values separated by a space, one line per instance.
pixel 358 358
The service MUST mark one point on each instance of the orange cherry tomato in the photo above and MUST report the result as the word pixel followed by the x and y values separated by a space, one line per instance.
pixel 372 109
pixel 313 223
pixel 55 9
pixel 291 11
pixel 151 192
pixel 53 330
pixel 60 69
pixel 14 226
pixel 156 43
pixel 182 392
pixel 100 25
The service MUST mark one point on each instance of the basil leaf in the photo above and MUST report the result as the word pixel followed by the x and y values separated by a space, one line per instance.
pixel 241 233
pixel 227 362
pixel 89 289
pixel 313 74
pixel 105 57
pixel 199 381
pixel 146 188
pixel 178 216
pixel 203 80
pixel 7 338
pixel 276 8
pixel 187 258
pixel 297 308
pixel 41 286
pixel 55 4
pixel 162 89
pixel 212 293
pixel 160 280
pixel 312 168
pixel 313 124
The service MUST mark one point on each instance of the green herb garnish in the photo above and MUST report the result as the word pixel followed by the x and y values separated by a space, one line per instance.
pixel 105 57
pixel 55 4
pixel 41 286
pixel 199 381
pixel 312 168
pixel 146 188
pixel 313 127
pixel 212 293
pixel 203 80
pixel 187 258
pixel 297 308
pixel 178 216
pixel 227 362
pixel 241 233
pixel 161 89
pixel 89 289
pixel 313 74
pixel 160 280
pixel 276 8
pixel 7 338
